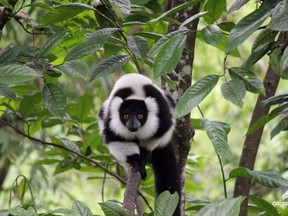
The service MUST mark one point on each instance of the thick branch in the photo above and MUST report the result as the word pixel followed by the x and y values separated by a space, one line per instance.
pixel 131 191
pixel 5 15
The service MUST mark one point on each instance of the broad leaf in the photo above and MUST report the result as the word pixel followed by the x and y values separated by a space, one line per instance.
pixel 234 91
pixel 69 144
pixel 264 205
pixel 124 6
pixel 7 92
pixel 264 37
pixel 81 110
pixel 108 66
pixel 9 54
pixel 75 69
pixel 252 82
pixel 237 5
pixel 169 55
pixel 112 209
pixel 212 34
pixel 267 178
pixel 229 206
pixel 217 132
pixel 166 203
pixel 195 94
pixel 279 18
pixel 265 119
pixel 63 12
pixel 14 73
pixel 54 100
pixel 284 60
pixel 87 47
pixel 21 211
pixel 138 46
pixel 164 39
pixel 281 126
pixel 104 31
pixel 52 42
pixel 278 99
pixel 190 19
pixel 247 26
pixel 176 9
pixel 277 65
pixel 65 212
pixel 215 9
pixel 81 208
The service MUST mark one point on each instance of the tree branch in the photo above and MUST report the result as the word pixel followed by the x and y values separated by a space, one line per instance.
pixel 6 13
pixel 252 141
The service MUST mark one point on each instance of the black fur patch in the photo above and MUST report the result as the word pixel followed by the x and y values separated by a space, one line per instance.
pixel 164 115
pixel 123 93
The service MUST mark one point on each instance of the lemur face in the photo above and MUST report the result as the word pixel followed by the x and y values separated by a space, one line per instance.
pixel 133 114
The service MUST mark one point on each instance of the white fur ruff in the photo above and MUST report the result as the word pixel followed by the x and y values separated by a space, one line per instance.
pixel 121 150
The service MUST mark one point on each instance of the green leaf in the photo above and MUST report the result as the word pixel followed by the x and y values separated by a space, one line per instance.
pixel 6 4
pixel 168 56
pixel 21 212
pixel 112 209
pixel 109 66
pixel 81 208
pixel 164 39
pixel 30 105
pixel 65 212
pixel 69 144
pixel 252 82
pixel 87 47
pixel 9 54
pixel 46 162
pixel 75 69
pixel 278 99
pixel 264 37
pixel 217 133
pixel 212 34
pixel 215 9
pixel 237 5
pixel 63 12
pixel 138 46
pixel 267 178
pixel 279 18
pixel 175 9
pixel 266 118
pixel 14 73
pixel 229 207
pixel 124 6
pixel 264 205
pixel 247 26
pixel 234 91
pixel 166 203
pixel 281 126
pixel 195 94
pixel 276 62
pixel 190 19
pixel 7 92
pixel 52 42
pixel 54 100
pixel 284 60
pixel 104 31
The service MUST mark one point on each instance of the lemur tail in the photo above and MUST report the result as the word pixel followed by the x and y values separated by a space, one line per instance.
pixel 166 172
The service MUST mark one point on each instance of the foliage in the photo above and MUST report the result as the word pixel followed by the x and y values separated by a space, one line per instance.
pixel 51 90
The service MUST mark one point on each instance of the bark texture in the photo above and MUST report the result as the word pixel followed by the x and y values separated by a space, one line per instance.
pixel 184 131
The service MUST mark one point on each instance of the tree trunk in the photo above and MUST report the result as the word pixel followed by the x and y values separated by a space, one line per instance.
pixel 184 131
pixel 252 141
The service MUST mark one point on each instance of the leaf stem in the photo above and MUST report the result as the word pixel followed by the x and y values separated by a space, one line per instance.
pixel 223 176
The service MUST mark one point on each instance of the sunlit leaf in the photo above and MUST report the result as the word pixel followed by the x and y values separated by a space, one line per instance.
pixel 237 5
pixel 82 209
pixel 278 99
pixel 69 144
pixel 217 132
pixel 190 19
pixel 215 9
pixel 112 208
pixel 195 94
pixel 166 203
pixel 14 73
pixel 124 6
pixel 229 206
pixel 279 18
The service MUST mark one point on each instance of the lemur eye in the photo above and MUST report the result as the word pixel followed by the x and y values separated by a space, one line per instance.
pixel 126 117
pixel 140 116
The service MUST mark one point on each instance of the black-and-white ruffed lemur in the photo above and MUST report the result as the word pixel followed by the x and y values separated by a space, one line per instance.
pixel 137 122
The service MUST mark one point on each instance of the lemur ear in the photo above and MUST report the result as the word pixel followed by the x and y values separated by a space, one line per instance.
pixel 151 105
